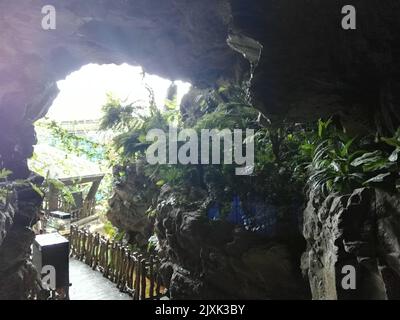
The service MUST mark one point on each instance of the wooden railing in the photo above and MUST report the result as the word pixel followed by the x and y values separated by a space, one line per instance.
pixel 134 273
pixel 54 202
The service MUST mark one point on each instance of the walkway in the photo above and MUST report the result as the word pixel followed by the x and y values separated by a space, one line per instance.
pixel 88 284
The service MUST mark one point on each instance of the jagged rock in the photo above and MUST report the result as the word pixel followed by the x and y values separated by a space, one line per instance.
pixel 212 259
pixel 361 230
pixel 129 204
pixel 6 218
pixel 18 282
pixel 311 66
pixel 17 275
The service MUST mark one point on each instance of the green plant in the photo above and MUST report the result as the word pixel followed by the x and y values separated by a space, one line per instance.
pixel 66 152
pixel 132 122
pixel 110 230
pixel 70 142
pixel 153 244
pixel 394 142
pixel 7 186
pixel 4 189
pixel 340 163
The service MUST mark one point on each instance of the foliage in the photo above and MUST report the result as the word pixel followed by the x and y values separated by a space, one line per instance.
pixel 7 186
pixel 132 122
pixel 340 163
pixel 72 152
pixel 110 230
pixel 153 244
pixel 4 173
pixel 288 156
pixel 72 143
pixel 226 107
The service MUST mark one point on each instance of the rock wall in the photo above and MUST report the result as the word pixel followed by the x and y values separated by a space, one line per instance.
pixel 17 274
pixel 133 195
pixel 206 259
pixel 360 230
pixel 311 67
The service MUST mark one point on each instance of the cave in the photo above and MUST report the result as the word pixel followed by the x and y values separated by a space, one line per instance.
pixel 300 66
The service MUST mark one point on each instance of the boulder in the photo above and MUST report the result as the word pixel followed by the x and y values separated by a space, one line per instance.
pixel 133 195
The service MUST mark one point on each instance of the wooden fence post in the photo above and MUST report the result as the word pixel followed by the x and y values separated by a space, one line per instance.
pixel 151 276
pixel 129 270
pixel 143 280
pixel 137 279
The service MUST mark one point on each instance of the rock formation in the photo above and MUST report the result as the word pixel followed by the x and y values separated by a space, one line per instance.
pixel 309 68
pixel 206 259
pixel 129 204
pixel 17 274
pixel 360 230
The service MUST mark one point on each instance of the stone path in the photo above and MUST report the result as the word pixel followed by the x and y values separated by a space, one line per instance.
pixel 91 285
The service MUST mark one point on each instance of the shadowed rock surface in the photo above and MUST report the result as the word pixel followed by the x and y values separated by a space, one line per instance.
pixel 132 196
pixel 360 230
pixel 206 259
pixel 17 274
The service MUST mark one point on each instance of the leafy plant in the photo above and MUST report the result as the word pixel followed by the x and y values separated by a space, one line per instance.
pixel 394 142
pixel 4 173
pixel 132 122
pixel 110 230
pixel 340 163
pixel 62 139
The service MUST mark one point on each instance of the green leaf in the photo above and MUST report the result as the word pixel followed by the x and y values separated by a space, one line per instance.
pixel 37 189
pixel 222 89
pixel 366 158
pixel 394 156
pixel 392 142
pixel 377 179
pixel 4 173
pixel 323 126
pixel 345 150
pixel 335 166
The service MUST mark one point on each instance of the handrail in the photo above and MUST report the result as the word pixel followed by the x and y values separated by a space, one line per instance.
pixel 81 179
pixel 132 272
pixel 87 208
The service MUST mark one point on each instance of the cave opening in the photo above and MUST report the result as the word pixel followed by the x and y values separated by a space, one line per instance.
pixel 74 154
pixel 97 186
pixel 315 216
pixel 72 149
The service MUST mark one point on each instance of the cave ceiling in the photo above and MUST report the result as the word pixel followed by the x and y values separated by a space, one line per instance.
pixel 309 67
